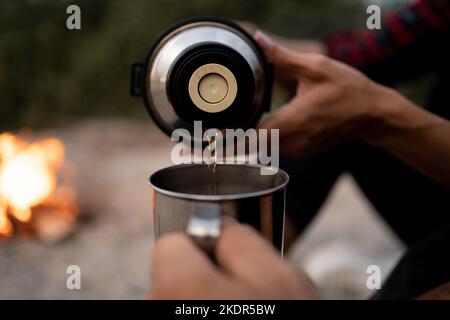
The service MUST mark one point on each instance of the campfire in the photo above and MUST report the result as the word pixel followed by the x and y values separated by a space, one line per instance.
pixel 36 197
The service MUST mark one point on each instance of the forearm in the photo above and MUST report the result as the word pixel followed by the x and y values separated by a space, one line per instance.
pixel 414 135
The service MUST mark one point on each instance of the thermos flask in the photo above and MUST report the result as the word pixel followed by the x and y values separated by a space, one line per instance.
pixel 204 69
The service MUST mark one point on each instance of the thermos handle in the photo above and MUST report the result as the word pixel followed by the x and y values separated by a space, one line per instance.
pixel 269 83
pixel 204 226
pixel 136 79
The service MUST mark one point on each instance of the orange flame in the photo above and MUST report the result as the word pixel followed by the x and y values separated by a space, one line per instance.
pixel 27 176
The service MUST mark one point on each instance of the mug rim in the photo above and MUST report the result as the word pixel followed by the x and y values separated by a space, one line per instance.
pixel 212 198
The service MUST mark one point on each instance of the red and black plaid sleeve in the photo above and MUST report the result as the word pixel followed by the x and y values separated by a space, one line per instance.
pixel 400 30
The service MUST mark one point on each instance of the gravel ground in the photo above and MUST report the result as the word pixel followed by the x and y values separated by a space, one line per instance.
pixel 113 242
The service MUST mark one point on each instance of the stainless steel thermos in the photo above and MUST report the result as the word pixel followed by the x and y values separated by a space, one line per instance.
pixel 205 69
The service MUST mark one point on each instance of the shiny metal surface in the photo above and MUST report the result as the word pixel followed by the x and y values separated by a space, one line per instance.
pixel 181 198
pixel 204 226
pixel 174 45
pixel 221 80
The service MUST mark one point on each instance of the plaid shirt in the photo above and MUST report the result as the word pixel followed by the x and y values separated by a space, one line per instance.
pixel 400 30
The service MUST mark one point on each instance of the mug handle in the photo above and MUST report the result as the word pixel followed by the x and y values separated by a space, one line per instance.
pixel 204 226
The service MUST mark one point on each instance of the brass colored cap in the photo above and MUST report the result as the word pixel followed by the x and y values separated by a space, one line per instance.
pixel 212 87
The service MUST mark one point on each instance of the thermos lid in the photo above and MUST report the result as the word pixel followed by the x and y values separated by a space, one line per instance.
pixel 204 69
pixel 213 88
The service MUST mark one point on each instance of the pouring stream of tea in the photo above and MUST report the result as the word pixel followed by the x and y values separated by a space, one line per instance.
pixel 212 166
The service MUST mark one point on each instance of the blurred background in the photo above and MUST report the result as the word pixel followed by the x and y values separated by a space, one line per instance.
pixel 74 86
pixel 50 75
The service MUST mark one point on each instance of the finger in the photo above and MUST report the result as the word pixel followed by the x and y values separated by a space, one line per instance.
pixel 295 136
pixel 248 258
pixel 228 221
pixel 284 59
pixel 181 270
pixel 279 118
pixel 248 26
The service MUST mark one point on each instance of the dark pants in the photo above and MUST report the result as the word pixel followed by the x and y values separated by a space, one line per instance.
pixel 416 208
pixel 413 205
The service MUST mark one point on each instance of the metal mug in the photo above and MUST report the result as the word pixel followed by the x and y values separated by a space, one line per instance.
pixel 184 199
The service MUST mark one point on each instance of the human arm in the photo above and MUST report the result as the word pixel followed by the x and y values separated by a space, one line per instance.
pixel 411 41
pixel 335 103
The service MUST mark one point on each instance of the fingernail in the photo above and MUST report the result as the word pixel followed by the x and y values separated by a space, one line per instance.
pixel 263 40
pixel 228 221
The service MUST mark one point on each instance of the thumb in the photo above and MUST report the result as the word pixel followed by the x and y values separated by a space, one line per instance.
pixel 278 119
pixel 282 57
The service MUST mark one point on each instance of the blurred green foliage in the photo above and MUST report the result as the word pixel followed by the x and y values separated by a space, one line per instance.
pixel 51 75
